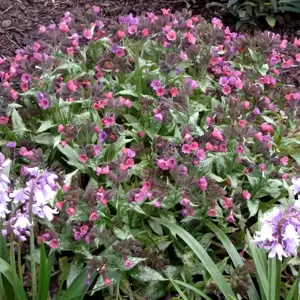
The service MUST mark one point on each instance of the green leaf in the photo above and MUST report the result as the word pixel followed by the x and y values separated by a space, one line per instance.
pixel 73 273
pixel 202 255
pixel 45 126
pixel 231 2
pixel 127 93
pixel 155 227
pixel 43 139
pixel 292 290
pixel 233 254
pixel 259 265
pixel 192 288
pixel 253 54
pixel 271 21
pixel 69 152
pixel 44 275
pixel 7 271
pixel 17 123
pixel 253 206
pixel 147 274
pixel 180 292
pixel 78 287
pixel 274 278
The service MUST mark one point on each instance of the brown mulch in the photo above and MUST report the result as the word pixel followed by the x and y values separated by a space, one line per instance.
pixel 19 19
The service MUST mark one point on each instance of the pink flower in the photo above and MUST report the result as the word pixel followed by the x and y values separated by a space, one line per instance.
pixel 217 134
pixel 171 35
pixel 217 22
pixel 183 55
pixel 266 127
pixel 36 47
pixel 226 90
pixel 174 91
pixel 246 195
pixel 165 11
pixel 160 91
pixel 189 23
pixel 70 50
pixel 102 170
pixel 242 123
pixel 132 29
pixel 96 9
pixel 297 42
pixel 191 39
pixel 185 202
pixel 284 160
pixel 230 218
pixel 60 205
pixel 83 158
pixel 298 57
pixel 63 27
pixel 287 64
pixel 240 149
pixel 44 103
pixel 107 281
pixel 70 211
pixel 203 183
pixel 246 104
pixel 212 211
pixel 120 52
pixel 53 243
pixel 93 216
pixel 72 85
pixel 108 95
pixel 171 163
pixel 228 203
pixel 162 164
pixel 3 120
pixel 186 149
pixel 60 128
pixel 145 32
pixel 120 34
pixel 108 121
pixel 42 29
pixel 87 33
pixel 201 154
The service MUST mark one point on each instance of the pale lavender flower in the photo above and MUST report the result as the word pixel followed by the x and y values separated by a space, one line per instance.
pixel 296 185
pixel 11 144
pixel 280 232
pixel 102 136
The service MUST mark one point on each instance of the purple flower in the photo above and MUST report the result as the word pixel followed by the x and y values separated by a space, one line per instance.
pixel 223 80
pixel 256 111
pixel 280 232
pixel 11 144
pixel 43 102
pixel 178 71
pixel 128 20
pixel 102 136
pixel 114 48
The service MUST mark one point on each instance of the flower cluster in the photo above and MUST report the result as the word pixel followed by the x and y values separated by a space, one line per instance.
pixel 280 232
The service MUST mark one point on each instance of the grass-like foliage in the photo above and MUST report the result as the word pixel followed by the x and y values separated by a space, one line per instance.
pixel 139 152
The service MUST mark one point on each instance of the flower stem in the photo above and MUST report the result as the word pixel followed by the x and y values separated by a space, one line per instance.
pixel 32 254
pixel 20 263
pixel 12 253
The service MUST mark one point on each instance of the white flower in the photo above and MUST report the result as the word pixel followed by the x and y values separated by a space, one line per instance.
pixel 22 223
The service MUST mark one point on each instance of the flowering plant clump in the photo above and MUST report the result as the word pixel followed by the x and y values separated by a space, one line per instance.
pixel 280 232
pixel 111 125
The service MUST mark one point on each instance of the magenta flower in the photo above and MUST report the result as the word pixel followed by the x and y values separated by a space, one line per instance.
pixel 171 35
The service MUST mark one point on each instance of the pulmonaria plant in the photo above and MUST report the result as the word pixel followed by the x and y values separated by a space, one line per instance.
pixel 280 231
pixel 158 115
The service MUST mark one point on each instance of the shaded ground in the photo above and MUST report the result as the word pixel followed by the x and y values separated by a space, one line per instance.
pixel 19 19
